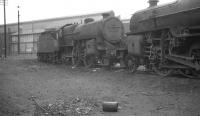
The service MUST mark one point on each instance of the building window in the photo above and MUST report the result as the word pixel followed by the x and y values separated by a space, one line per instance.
pixel 28 43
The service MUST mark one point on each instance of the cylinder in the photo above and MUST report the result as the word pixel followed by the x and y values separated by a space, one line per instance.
pixel 110 106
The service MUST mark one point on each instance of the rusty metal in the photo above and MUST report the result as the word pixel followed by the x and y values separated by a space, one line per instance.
pixel 110 106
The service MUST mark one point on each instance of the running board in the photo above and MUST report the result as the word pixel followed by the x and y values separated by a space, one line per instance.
pixel 184 62
pixel 187 35
pixel 182 57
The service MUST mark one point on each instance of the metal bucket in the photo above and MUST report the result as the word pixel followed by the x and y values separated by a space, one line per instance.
pixel 110 106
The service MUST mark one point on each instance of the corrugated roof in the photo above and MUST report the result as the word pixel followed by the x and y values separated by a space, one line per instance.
pixel 60 18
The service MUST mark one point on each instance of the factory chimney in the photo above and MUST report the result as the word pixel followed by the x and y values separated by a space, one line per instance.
pixel 153 3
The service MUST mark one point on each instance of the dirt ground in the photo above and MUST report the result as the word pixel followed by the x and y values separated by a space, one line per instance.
pixel 137 94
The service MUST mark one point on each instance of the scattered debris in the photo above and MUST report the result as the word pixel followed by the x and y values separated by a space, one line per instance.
pixel 73 67
pixel 146 93
pixel 83 110
pixel 119 107
pixel 95 69
pixel 167 106
pixel 152 93
pixel 141 68
pixel 117 65
pixel 73 107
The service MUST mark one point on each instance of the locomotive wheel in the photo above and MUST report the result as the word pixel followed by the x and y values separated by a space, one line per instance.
pixel 89 61
pixel 162 71
pixel 76 61
pixel 131 65
pixel 191 73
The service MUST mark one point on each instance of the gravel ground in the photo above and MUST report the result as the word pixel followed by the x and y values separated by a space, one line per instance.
pixel 138 94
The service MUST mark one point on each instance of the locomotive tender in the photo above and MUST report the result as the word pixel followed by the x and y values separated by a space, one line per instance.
pixel 166 38
pixel 92 43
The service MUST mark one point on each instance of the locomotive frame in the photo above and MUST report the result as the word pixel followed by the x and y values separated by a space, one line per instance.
pixel 169 43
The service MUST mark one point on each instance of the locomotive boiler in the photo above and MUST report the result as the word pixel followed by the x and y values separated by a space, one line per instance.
pixel 90 44
pixel 168 38
pixel 99 42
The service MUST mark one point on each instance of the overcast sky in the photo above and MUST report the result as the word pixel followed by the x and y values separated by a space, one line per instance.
pixel 42 9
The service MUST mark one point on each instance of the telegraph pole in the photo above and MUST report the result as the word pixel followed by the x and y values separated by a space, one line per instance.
pixel 18 32
pixel 5 33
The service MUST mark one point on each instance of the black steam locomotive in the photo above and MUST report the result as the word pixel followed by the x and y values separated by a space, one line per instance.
pixel 89 44
pixel 166 38
pixel 163 38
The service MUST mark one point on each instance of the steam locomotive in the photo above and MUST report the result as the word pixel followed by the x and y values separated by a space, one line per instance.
pixel 90 44
pixel 166 38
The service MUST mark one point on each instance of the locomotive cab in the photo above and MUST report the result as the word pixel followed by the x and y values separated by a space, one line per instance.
pixel 48 46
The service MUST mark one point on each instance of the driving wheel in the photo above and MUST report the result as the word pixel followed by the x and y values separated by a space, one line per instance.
pixel 89 61
pixel 162 71
pixel 131 63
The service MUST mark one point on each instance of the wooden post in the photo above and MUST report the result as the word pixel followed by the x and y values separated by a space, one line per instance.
pixel 4 5
pixel 18 33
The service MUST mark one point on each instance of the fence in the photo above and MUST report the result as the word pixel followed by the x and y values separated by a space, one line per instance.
pixel 28 44
pixel 2 44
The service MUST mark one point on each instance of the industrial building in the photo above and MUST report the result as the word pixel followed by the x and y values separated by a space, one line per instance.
pixel 29 32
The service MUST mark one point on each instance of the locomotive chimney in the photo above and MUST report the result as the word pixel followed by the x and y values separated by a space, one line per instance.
pixel 153 3
pixel 105 15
